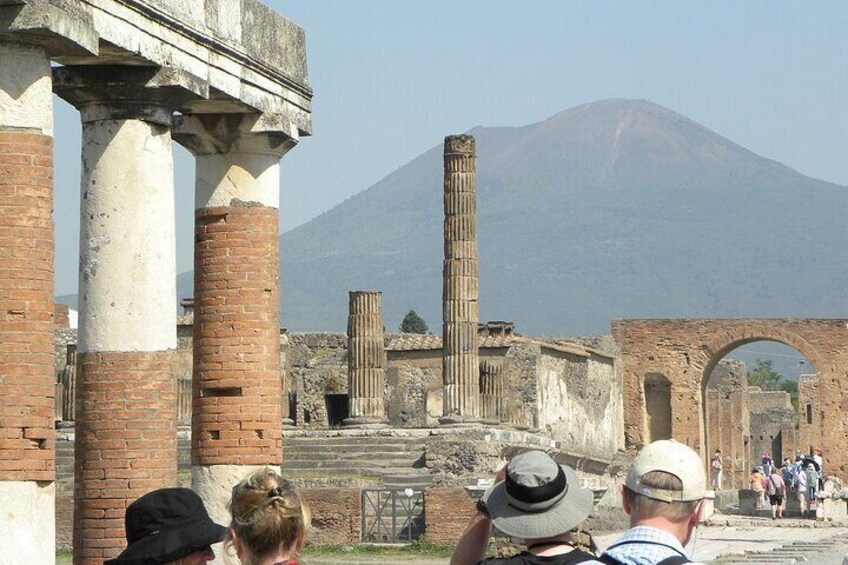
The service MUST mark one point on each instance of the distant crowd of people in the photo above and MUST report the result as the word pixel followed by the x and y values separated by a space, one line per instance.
pixel 772 485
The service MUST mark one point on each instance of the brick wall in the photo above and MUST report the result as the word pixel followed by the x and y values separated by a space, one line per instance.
pixel 446 513
pixel 336 515
pixel 236 407
pixel 126 443
pixel 685 350
pixel 26 293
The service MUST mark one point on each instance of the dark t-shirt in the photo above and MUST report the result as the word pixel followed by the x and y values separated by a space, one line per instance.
pixel 526 558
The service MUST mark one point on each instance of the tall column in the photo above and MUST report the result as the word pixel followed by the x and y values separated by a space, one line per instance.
pixel 126 429
pixel 26 293
pixel 492 392
pixel 236 420
pixel 366 355
pixel 460 369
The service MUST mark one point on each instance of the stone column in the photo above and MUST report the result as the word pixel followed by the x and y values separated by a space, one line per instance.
pixel 27 392
pixel 460 369
pixel 236 420
pixel 126 429
pixel 492 392
pixel 366 356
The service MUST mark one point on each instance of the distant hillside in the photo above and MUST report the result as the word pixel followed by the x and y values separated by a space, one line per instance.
pixel 615 209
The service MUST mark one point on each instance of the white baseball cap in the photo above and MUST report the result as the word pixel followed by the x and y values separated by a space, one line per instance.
pixel 670 457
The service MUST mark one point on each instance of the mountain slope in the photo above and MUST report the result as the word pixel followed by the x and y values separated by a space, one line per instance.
pixel 614 209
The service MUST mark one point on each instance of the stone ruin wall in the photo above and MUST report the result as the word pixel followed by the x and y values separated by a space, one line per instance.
pixel 809 424
pixel 774 423
pixel 728 421
pixel 579 402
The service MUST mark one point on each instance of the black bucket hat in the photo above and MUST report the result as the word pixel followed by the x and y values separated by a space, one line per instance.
pixel 538 499
pixel 166 525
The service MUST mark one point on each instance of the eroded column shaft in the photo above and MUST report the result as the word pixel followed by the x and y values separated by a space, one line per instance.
pixel 237 394
pixel 27 393
pixel 460 370
pixel 492 391
pixel 366 359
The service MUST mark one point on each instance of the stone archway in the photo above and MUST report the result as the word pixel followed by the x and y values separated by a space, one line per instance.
pixel 686 350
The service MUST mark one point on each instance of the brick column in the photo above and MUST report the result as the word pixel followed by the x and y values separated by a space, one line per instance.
pixel 460 370
pixel 366 360
pixel 492 392
pixel 27 534
pixel 236 420
pixel 126 429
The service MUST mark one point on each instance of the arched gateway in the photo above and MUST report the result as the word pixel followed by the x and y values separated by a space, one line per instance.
pixel 683 354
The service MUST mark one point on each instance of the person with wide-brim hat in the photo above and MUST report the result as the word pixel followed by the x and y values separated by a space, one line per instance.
pixel 535 500
pixel 169 526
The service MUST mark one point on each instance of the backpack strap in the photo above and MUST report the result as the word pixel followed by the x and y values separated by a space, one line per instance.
pixel 674 560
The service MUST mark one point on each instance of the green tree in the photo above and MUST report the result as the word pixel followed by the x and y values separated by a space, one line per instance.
pixel 764 376
pixel 413 324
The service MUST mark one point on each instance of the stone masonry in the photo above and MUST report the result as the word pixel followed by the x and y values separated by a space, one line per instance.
pixel 366 360
pixel 236 75
pixel 685 352
pixel 460 279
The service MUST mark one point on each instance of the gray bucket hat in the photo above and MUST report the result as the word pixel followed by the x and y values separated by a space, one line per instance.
pixel 538 498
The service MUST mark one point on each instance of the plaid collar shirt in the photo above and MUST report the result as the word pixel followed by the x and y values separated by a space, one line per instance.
pixel 643 545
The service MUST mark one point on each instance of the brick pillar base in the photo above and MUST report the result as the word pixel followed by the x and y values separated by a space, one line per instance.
pixel 26 344
pixel 236 414
pixel 126 444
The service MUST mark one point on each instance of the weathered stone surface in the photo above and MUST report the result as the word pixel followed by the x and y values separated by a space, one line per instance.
pixel 366 359
pixel 460 366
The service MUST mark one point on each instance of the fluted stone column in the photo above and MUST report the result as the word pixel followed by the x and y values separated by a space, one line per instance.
pixel 492 392
pixel 236 418
pixel 126 425
pixel 460 368
pixel 366 360
pixel 27 532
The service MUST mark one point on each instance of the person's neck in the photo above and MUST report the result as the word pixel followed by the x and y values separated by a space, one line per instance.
pixel 680 530
pixel 550 546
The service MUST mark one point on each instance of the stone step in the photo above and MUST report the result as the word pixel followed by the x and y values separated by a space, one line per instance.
pixel 298 455
pixel 338 463
pixel 352 440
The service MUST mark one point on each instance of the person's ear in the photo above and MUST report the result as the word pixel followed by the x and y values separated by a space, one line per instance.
pixel 625 500
pixel 237 543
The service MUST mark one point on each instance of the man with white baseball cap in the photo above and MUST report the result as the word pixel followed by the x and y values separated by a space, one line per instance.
pixel 537 501
pixel 663 494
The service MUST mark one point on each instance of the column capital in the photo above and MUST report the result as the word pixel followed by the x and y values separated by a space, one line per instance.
pixel 219 134
pixel 121 92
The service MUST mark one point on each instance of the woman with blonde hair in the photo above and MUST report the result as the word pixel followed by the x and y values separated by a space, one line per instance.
pixel 269 520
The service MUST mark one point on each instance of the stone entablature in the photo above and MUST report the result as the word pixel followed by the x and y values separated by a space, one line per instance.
pixel 222 47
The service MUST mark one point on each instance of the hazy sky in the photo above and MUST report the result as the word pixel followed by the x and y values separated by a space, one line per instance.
pixel 393 77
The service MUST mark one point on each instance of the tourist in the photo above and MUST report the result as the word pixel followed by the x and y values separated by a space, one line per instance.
pixel 169 527
pixel 817 457
pixel 776 489
pixel 767 465
pixel 534 500
pixel 813 477
pixel 269 520
pixel 757 483
pixel 716 467
pixel 802 492
pixel 787 472
pixel 663 494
